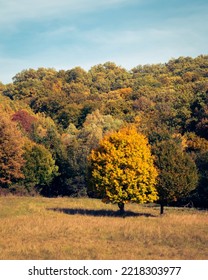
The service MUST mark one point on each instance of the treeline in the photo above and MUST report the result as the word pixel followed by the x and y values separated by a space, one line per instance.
pixel 51 120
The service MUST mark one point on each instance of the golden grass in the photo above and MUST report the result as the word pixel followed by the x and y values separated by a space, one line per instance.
pixel 78 229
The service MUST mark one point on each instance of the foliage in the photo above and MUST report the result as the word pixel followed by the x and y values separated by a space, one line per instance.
pixel 11 151
pixel 199 118
pixel 108 76
pixel 24 119
pixel 69 111
pixel 177 171
pixel 202 189
pixel 122 168
pixel 39 169
pixel 80 142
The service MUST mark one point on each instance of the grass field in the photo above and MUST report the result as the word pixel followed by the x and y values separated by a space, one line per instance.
pixel 79 229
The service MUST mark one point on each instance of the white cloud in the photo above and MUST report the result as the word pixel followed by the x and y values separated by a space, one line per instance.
pixel 58 32
pixel 111 39
pixel 13 11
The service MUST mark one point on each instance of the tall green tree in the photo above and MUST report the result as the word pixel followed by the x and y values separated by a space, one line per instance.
pixel 177 172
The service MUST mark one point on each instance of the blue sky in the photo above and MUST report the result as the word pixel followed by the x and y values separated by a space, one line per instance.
pixel 63 34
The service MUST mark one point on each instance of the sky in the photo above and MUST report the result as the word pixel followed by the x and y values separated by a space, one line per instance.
pixel 63 34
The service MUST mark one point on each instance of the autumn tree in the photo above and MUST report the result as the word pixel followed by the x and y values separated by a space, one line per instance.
pixel 11 151
pixel 122 169
pixel 177 172
pixel 24 119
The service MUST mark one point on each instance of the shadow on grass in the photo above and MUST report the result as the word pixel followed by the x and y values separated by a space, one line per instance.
pixel 99 213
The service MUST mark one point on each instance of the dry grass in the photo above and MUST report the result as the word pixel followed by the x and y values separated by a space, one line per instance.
pixel 66 228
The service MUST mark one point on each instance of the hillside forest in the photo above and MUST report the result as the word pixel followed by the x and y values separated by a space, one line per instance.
pixel 51 121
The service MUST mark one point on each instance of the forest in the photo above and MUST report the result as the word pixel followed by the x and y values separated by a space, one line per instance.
pixel 51 121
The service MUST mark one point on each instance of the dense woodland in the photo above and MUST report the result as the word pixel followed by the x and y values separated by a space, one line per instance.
pixel 50 121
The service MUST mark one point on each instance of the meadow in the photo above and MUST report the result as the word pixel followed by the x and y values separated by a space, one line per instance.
pixel 82 228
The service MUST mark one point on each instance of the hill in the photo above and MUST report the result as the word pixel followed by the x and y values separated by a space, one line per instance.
pixel 62 115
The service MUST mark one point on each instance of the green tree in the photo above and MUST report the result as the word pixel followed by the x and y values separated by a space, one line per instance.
pixel 198 149
pixel 108 76
pixel 177 172
pixel 39 169
pixel 122 169
pixel 202 190
pixel 199 120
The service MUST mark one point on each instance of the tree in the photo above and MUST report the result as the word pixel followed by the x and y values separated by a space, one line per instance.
pixel 122 169
pixel 177 172
pixel 199 120
pixel 202 190
pixel 80 142
pixel 24 119
pixel 39 169
pixel 11 151
pixel 108 76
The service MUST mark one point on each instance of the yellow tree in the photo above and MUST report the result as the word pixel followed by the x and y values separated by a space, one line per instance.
pixel 122 169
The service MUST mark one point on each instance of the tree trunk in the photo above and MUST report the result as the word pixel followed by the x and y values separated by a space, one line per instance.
pixel 161 208
pixel 121 208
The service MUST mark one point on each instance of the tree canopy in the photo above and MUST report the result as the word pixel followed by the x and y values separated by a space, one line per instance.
pixel 122 168
pixel 11 151
pixel 177 172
